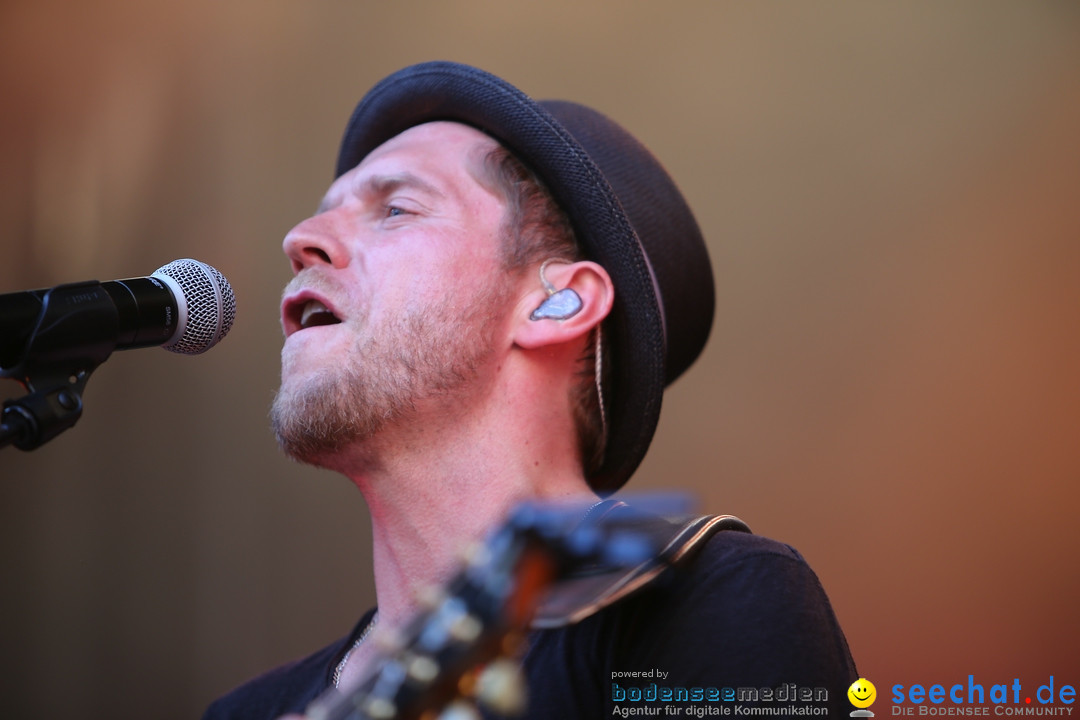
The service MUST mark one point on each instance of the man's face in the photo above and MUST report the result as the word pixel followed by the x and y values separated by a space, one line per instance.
pixel 397 297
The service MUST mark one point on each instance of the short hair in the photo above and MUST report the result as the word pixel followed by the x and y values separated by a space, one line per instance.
pixel 536 229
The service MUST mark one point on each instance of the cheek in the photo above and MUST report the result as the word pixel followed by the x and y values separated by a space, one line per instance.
pixel 436 273
pixel 432 266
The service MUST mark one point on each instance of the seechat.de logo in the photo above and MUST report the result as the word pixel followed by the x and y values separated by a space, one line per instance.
pixel 862 694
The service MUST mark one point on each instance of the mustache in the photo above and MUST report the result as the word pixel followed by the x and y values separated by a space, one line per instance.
pixel 313 282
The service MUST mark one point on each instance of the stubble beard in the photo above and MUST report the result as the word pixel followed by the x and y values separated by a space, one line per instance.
pixel 419 357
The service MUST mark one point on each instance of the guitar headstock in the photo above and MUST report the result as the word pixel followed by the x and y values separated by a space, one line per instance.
pixel 464 640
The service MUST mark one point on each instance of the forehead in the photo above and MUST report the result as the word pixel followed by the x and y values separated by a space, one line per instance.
pixel 451 140
pixel 446 156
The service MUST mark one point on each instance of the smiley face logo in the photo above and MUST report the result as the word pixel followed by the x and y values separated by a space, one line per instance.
pixel 862 693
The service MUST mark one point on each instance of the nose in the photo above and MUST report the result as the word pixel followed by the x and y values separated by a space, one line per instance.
pixel 314 242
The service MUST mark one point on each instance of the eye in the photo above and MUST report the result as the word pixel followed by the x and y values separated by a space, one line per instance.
pixel 397 207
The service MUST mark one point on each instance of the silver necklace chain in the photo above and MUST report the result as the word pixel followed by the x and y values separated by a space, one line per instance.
pixel 340 669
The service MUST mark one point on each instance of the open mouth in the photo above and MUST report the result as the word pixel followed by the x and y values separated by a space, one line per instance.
pixel 309 313
pixel 315 313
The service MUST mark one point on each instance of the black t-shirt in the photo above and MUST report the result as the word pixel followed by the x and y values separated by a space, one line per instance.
pixel 744 629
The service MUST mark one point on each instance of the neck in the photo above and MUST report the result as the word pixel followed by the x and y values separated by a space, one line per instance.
pixel 453 478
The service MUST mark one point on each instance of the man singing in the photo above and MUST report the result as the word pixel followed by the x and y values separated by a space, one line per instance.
pixel 485 310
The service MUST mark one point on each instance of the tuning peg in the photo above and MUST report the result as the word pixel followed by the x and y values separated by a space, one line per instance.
pixel 466 628
pixel 387 640
pixel 502 687
pixel 430 597
pixel 380 709
pixel 422 668
pixel 475 554
pixel 460 710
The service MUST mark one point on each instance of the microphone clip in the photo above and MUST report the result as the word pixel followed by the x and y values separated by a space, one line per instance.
pixel 52 368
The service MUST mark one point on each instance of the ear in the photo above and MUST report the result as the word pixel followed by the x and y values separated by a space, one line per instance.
pixel 591 283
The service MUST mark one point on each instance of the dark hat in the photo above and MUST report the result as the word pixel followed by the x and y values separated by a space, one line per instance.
pixel 626 211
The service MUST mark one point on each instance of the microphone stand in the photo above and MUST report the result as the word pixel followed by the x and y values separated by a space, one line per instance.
pixel 31 421
pixel 63 347
pixel 12 432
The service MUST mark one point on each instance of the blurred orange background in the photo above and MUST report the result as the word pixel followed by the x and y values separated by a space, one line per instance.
pixel 891 194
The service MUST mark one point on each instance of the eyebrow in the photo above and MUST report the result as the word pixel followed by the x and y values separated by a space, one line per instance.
pixel 380 186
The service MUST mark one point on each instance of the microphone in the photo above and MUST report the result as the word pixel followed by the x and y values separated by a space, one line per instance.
pixel 185 306
pixel 52 339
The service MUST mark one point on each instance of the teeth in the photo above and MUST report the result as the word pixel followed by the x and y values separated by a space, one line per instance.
pixel 313 308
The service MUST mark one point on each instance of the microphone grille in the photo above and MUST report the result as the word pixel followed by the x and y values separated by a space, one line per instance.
pixel 211 305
